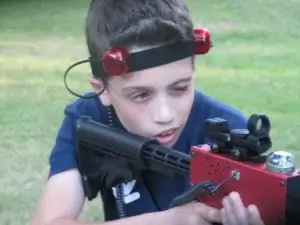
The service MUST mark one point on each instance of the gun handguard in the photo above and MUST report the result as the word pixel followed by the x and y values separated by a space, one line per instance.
pixel 97 142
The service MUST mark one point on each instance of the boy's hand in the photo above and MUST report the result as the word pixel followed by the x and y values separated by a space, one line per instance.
pixel 235 213
pixel 194 213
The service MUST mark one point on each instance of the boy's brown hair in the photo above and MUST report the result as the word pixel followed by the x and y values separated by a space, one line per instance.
pixel 135 23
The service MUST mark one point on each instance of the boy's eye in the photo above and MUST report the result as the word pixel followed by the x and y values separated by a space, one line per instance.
pixel 140 97
pixel 180 88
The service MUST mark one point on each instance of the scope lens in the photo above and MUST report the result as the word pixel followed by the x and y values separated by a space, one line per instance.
pixel 259 125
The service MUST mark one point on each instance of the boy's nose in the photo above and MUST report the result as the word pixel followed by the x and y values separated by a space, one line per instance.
pixel 163 114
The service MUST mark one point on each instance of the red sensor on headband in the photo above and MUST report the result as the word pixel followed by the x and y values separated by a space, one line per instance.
pixel 202 42
pixel 114 61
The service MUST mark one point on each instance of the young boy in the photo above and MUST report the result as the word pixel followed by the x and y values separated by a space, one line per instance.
pixel 155 98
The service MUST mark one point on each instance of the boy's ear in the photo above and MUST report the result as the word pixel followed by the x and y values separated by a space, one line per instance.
pixel 98 86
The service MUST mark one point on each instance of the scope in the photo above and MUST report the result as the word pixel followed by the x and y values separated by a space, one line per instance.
pixel 241 144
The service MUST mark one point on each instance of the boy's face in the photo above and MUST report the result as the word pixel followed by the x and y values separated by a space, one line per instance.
pixel 155 102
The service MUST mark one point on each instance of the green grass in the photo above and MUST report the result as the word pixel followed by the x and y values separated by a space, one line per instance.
pixel 253 66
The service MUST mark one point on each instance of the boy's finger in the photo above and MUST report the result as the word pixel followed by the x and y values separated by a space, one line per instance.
pixel 225 219
pixel 254 216
pixel 238 207
pixel 230 213
pixel 208 213
pixel 205 147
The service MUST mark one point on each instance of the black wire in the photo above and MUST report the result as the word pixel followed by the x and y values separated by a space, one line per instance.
pixel 119 188
pixel 74 93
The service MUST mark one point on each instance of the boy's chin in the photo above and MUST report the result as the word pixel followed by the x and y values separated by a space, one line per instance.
pixel 171 145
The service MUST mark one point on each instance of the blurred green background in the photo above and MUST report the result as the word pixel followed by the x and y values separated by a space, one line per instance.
pixel 254 66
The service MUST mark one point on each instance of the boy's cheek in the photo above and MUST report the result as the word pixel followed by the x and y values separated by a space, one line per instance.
pixel 186 103
pixel 133 119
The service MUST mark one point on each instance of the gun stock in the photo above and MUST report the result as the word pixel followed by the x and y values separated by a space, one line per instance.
pixel 96 141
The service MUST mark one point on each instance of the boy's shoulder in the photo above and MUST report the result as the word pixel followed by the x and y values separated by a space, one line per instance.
pixel 62 156
pixel 210 107
pixel 90 106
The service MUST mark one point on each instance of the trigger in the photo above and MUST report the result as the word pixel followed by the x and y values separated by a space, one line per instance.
pixel 191 195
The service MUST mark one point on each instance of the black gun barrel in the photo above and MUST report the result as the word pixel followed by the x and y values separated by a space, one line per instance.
pixel 99 141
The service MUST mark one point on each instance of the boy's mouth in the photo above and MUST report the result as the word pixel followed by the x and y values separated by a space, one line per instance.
pixel 167 136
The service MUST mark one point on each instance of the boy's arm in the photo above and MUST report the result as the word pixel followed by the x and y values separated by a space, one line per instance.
pixel 63 198
pixel 62 201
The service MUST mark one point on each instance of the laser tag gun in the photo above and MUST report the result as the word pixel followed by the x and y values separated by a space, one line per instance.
pixel 237 161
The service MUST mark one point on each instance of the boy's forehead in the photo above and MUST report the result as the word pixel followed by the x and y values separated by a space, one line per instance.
pixel 164 75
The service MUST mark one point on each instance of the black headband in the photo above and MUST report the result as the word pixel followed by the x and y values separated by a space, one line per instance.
pixel 148 58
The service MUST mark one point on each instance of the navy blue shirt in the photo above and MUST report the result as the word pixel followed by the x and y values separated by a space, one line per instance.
pixel 155 192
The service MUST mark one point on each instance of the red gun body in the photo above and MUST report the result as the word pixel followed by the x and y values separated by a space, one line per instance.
pixel 275 194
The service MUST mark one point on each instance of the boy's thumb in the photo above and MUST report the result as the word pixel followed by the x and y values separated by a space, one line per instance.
pixel 254 216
